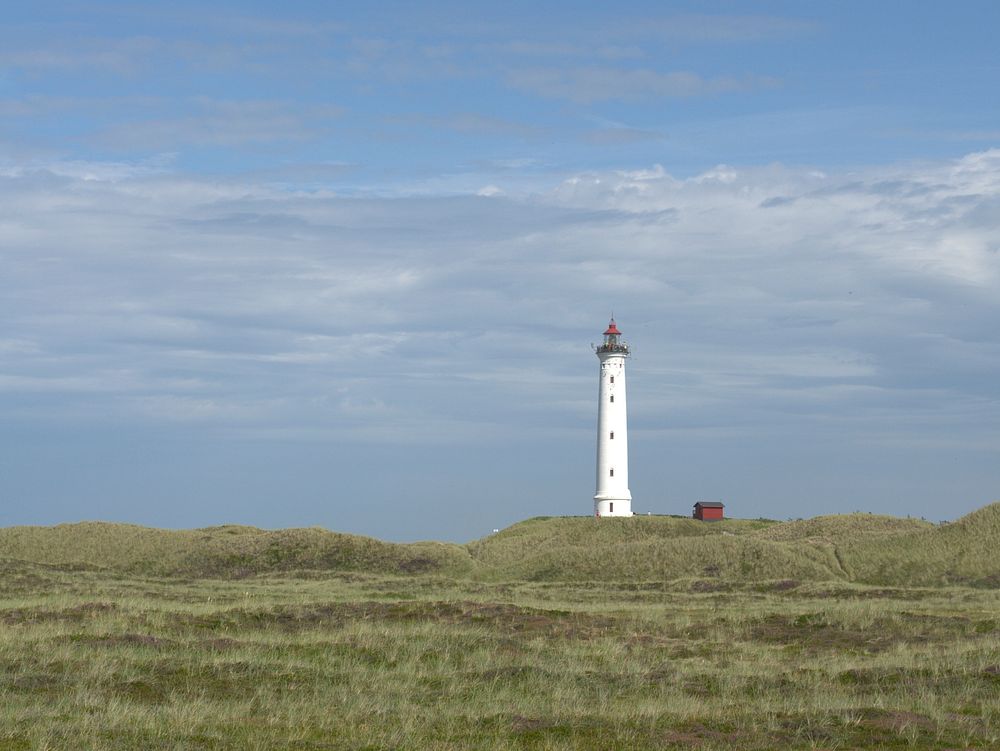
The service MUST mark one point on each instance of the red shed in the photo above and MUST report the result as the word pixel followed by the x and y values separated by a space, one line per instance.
pixel 708 511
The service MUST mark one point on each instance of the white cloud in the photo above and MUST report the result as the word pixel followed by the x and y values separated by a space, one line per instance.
pixel 471 123
pixel 753 296
pixel 621 135
pixel 223 123
pixel 120 56
pixel 597 84
pixel 716 28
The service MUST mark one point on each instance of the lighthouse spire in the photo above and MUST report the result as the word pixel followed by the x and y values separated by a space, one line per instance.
pixel 612 496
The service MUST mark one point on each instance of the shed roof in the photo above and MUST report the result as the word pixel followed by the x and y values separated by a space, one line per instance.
pixel 709 504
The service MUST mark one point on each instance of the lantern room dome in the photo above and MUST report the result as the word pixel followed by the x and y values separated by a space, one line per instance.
pixel 613 341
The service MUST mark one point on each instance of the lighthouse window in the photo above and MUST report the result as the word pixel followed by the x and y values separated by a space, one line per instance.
pixel 612 397
pixel 612 379
pixel 612 473
pixel 611 507
pixel 612 435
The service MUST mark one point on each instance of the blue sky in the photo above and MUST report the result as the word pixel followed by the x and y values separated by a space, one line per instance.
pixel 341 264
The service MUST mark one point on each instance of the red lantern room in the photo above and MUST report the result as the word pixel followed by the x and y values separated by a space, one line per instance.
pixel 613 340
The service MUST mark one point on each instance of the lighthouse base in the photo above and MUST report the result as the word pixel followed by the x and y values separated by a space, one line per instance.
pixel 612 506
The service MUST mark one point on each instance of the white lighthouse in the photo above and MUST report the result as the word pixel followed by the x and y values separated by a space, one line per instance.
pixel 612 497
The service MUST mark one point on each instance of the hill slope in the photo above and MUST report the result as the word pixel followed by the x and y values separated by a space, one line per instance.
pixel 642 549
pixel 963 552
pixel 856 547
pixel 223 551
pixel 841 527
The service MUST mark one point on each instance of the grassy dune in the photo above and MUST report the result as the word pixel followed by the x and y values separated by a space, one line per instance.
pixel 223 552
pixel 964 552
pixel 641 549
pixel 842 527
pixel 855 547
pixel 645 633
pixel 864 548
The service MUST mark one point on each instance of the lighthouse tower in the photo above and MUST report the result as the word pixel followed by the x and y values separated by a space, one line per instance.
pixel 612 497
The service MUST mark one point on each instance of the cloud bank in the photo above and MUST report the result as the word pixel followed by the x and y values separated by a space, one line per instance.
pixel 773 306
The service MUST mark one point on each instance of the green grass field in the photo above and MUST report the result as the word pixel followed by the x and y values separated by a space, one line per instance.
pixel 645 633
